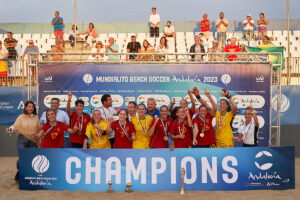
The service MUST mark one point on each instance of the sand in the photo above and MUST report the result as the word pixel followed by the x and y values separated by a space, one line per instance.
pixel 9 190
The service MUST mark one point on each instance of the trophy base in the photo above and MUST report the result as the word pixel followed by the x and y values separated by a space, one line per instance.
pixel 110 191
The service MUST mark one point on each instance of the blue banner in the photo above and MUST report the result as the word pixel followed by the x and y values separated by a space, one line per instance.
pixel 248 83
pixel 259 168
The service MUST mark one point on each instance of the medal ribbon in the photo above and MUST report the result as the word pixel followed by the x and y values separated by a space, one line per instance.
pixel 165 127
pixel 52 127
pixel 180 132
pixel 204 122
pixel 124 129
pixel 98 132
pixel 220 124
pixel 144 131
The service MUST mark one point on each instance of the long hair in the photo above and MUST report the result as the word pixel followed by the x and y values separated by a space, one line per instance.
pixel 92 119
pixel 166 42
pixel 127 119
pixel 49 110
pixel 34 108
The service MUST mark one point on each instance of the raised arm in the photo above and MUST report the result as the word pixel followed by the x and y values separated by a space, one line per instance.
pixel 228 96
pixel 69 111
pixel 190 124
pixel 172 104
pixel 254 116
pixel 152 128
pixel 190 93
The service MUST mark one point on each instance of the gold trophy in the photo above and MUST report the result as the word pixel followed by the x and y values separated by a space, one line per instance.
pixel 109 189
pixel 182 180
pixel 128 190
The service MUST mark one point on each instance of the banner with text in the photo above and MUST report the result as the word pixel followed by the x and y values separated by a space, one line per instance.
pixel 248 83
pixel 155 170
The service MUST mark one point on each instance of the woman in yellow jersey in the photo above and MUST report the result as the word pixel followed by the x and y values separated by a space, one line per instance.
pixel 97 129
pixel 224 118
pixel 142 123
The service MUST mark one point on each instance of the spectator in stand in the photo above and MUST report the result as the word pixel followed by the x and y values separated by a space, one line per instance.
pixel 26 127
pixel 221 25
pixel 61 115
pixel 132 110
pixel 147 48
pixel 133 47
pixel 215 49
pixel 58 48
pixel 73 34
pixel 162 48
pixel 58 22
pixel 10 43
pixel 169 30
pixel 262 24
pixel 89 35
pixel 154 23
pixel 232 47
pixel 248 28
pixel 97 52
pixel 52 133
pixel 243 57
pixel 31 48
pixel 3 64
pixel 205 24
pixel 266 43
pixel 204 41
pixel 112 47
pixel 151 107
pixel 197 48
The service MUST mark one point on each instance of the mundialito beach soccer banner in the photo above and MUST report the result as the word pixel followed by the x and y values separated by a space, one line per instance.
pixel 240 168
pixel 247 83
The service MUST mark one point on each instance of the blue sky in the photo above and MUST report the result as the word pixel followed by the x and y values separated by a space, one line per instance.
pixel 42 11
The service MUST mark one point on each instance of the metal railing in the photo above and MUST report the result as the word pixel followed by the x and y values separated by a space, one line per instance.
pixel 17 74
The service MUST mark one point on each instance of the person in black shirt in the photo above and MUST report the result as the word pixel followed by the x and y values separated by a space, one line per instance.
pixel 10 43
pixel 133 47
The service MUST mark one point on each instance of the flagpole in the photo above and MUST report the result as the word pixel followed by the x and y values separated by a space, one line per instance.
pixel 288 40
pixel 75 23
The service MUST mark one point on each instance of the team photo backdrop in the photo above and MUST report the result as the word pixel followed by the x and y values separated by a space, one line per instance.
pixel 247 83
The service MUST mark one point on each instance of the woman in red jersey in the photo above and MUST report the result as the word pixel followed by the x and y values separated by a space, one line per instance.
pixel 181 129
pixel 160 128
pixel 52 133
pixel 124 131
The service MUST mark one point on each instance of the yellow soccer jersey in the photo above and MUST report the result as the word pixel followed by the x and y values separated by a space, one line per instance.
pixel 224 132
pixel 98 141
pixel 142 139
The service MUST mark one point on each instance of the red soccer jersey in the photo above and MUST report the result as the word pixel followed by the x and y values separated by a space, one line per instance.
pixel 121 140
pixel 157 140
pixel 204 28
pixel 208 136
pixel 53 137
pixel 79 136
pixel 232 48
pixel 176 128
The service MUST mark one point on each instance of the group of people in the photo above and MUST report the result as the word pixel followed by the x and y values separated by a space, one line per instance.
pixel 137 127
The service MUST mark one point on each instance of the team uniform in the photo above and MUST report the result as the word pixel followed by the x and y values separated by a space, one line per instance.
pixel 224 132
pixel 123 135
pixel 142 132
pixel 76 139
pixel 98 140
pixel 178 128
pixel 249 133
pixel 206 135
pixel 53 136
pixel 160 137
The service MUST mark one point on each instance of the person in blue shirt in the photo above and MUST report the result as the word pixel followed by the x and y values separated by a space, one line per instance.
pixel 151 108
pixel 58 22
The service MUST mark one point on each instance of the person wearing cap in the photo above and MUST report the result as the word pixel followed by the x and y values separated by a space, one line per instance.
pixel 248 28
pixel 215 49
pixel 97 52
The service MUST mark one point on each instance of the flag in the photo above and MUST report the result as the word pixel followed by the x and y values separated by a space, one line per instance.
pixel 274 59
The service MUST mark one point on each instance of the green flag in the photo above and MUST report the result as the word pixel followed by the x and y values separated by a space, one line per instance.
pixel 274 59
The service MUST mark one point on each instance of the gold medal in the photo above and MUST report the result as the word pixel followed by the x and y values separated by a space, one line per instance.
pixel 166 138
pixel 100 142
pixel 201 134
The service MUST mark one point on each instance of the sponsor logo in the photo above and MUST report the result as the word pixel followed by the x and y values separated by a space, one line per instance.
pixel 238 120
pixel 265 166
pixel 48 79
pixel 226 79
pixel 260 79
pixel 40 164
pixel 62 98
pixel 87 78
pixel 159 99
pixel 117 100
pixel 243 101
pixel 285 103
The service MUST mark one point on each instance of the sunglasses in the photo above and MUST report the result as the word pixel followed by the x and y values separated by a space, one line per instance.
pixel 30 43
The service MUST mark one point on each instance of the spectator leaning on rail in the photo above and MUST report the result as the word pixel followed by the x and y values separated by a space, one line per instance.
pixel 31 48
pixel 147 48
pixel 97 52
pixel 266 43
pixel 112 47
pixel 154 20
pixel 57 23
pixel 215 49
pixel 248 28
pixel 133 47
pixel 205 24
pixel 89 35
pixel 262 24
pixel 162 48
pixel 58 48
pixel 10 43
pixel 221 25
pixel 197 48
pixel 3 64
pixel 232 47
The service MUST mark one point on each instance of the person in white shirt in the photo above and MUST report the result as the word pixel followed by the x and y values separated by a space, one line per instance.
pixel 169 30
pixel 154 23
pixel 248 130
pixel 221 25
pixel 61 115
pixel 248 28
pixel 97 52
pixel 108 112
